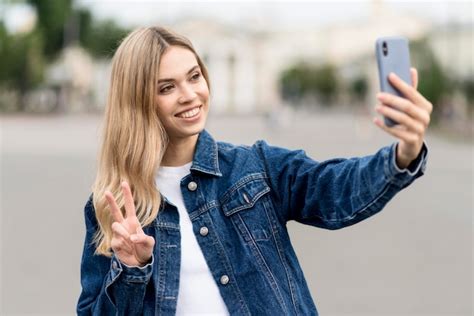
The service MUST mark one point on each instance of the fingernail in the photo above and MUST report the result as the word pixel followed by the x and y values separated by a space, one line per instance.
pixel 133 238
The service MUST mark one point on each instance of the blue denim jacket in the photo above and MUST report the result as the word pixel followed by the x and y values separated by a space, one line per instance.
pixel 239 203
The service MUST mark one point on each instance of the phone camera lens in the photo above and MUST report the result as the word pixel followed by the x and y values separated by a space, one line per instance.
pixel 384 48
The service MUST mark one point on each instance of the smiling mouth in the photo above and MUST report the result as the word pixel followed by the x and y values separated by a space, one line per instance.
pixel 191 113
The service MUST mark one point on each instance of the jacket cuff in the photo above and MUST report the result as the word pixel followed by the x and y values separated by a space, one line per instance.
pixel 131 274
pixel 403 177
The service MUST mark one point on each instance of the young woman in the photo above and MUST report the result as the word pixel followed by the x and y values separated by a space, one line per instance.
pixel 181 224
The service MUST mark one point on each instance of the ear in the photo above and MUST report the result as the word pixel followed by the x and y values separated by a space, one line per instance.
pixel 414 77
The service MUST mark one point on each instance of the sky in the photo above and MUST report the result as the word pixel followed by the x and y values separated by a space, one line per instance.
pixel 271 14
pixel 283 14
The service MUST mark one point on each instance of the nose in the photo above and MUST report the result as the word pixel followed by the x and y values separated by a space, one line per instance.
pixel 187 94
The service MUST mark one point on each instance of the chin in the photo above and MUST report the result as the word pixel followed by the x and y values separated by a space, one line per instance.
pixel 187 132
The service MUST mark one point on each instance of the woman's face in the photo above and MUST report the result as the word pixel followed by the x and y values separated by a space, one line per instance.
pixel 182 96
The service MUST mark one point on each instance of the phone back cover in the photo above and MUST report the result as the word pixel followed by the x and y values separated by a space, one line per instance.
pixel 397 61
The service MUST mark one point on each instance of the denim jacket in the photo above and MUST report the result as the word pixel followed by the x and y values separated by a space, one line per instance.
pixel 239 199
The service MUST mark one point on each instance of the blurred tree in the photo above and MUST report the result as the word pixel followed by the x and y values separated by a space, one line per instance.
pixel 61 24
pixel 100 38
pixel 325 83
pixel 302 80
pixel 434 84
pixel 21 62
pixel 53 15
pixel 358 88
pixel 294 82
pixel 467 86
pixel 23 56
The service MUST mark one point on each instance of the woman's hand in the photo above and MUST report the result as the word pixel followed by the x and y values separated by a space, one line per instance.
pixel 413 117
pixel 129 243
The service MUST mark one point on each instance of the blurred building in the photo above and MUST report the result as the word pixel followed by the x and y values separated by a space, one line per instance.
pixel 245 62
pixel 453 45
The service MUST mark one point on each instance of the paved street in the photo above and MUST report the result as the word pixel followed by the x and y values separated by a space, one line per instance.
pixel 413 258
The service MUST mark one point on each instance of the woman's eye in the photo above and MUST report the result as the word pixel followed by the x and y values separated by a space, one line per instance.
pixel 196 76
pixel 165 89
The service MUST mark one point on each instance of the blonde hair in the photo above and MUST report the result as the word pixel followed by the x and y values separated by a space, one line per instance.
pixel 134 140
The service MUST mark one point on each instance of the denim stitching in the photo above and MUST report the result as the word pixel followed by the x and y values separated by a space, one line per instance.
pixel 246 206
pixel 282 258
pixel 228 266
pixel 258 254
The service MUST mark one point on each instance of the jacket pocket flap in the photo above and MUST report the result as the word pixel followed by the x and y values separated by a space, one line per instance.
pixel 243 195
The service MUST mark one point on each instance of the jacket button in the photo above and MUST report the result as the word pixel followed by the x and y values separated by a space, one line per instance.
pixel 204 231
pixel 224 279
pixel 246 198
pixel 192 186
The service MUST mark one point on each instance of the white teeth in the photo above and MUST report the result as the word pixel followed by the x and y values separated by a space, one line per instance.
pixel 190 113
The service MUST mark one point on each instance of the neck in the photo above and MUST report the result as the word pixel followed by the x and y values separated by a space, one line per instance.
pixel 179 151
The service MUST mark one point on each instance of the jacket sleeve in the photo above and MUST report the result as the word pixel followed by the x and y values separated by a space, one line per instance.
pixel 335 193
pixel 108 286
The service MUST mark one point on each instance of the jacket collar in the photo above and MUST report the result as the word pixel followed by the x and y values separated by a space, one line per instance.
pixel 205 156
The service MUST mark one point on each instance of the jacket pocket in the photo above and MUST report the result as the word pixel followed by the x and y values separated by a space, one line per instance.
pixel 248 205
pixel 245 203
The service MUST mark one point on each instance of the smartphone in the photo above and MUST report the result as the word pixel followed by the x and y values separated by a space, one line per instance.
pixel 393 55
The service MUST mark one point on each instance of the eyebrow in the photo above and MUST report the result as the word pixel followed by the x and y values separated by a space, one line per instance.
pixel 189 71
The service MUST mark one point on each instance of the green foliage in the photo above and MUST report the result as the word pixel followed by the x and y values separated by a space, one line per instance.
pixel 21 60
pixel 303 80
pixel 326 82
pixel 467 87
pixel 52 17
pixel 434 84
pixel 358 88
pixel 101 38
pixel 23 57
pixel 295 82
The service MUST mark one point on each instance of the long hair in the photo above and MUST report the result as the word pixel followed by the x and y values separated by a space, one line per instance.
pixel 134 140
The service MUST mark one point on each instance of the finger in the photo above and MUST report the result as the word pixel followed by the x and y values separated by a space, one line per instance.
pixel 143 239
pixel 401 118
pixel 114 209
pixel 406 136
pixel 115 244
pixel 121 234
pixel 121 231
pixel 409 92
pixel 140 230
pixel 139 234
pixel 129 203
pixel 119 244
pixel 405 106
pixel 414 78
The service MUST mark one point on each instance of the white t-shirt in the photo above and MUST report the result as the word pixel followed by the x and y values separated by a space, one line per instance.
pixel 198 292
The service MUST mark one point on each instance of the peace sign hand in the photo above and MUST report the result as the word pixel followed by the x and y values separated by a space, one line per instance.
pixel 129 243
